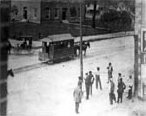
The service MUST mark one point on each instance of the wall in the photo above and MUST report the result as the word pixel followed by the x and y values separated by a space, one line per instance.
pixel 31 5
pixel 140 22
pixel 4 33
pixel 60 6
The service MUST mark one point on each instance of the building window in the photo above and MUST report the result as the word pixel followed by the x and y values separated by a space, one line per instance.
pixel 47 13
pixel 35 12
pixel 73 12
pixel 25 12
pixel 56 15
pixel 78 11
pixel 143 41
pixel 4 15
pixel 64 13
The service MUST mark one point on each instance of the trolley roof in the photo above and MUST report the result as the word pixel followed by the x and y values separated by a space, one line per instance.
pixel 57 37
pixel 27 36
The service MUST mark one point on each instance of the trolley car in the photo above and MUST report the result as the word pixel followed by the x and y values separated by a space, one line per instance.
pixel 57 47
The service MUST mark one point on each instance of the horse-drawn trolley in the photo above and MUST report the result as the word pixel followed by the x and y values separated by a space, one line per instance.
pixel 27 41
pixel 21 46
pixel 57 47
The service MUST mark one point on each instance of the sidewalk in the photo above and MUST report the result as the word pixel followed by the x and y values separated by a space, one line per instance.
pixel 105 36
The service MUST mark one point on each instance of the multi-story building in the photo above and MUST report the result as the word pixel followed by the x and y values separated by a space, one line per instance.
pixel 25 10
pixel 140 44
pixel 43 10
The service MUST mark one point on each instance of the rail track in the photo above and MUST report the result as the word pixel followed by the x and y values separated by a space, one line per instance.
pixel 30 67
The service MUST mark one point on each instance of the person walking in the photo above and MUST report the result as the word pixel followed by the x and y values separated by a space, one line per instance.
pixel 97 75
pixel 120 91
pixel 87 85
pixel 77 94
pixel 91 81
pixel 130 85
pixel 111 91
pixel 110 71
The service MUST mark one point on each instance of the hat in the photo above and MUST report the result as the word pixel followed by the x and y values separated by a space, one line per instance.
pixel 119 74
pixel 130 76
pixel 79 77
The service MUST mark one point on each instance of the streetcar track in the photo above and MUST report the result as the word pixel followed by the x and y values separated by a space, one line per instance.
pixel 29 67
pixel 92 54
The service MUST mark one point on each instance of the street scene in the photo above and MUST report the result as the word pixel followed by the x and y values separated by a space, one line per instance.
pixel 71 57
pixel 48 90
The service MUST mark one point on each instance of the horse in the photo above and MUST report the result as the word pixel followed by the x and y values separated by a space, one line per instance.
pixel 84 47
pixel 10 72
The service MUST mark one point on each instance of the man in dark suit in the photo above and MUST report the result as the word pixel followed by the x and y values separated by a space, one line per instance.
pixel 87 85
pixel 91 80
pixel 120 91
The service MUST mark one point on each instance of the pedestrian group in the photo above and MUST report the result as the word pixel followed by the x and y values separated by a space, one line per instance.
pixel 89 81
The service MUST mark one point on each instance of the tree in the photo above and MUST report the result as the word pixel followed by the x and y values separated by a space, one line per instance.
pixel 94 14
pixel 107 3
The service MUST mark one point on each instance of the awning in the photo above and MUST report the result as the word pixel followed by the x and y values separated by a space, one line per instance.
pixel 57 37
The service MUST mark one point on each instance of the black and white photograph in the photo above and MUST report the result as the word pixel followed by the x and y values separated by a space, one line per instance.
pixel 72 57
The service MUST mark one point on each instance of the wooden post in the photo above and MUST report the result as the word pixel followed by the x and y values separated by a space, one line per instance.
pixel 81 55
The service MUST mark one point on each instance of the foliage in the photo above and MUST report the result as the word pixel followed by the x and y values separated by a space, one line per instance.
pixel 14 9
pixel 116 20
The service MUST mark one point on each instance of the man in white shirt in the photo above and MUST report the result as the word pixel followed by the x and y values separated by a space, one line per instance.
pixel 77 94
pixel 97 75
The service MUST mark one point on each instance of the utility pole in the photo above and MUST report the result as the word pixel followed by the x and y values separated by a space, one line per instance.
pixel 81 55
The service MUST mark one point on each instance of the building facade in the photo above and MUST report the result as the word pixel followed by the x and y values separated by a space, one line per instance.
pixel 25 10
pixel 42 10
pixel 140 44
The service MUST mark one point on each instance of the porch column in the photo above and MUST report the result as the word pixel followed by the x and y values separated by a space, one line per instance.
pixel 143 53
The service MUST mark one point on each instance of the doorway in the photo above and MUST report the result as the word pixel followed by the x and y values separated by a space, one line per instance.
pixel 64 12
pixel 25 13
